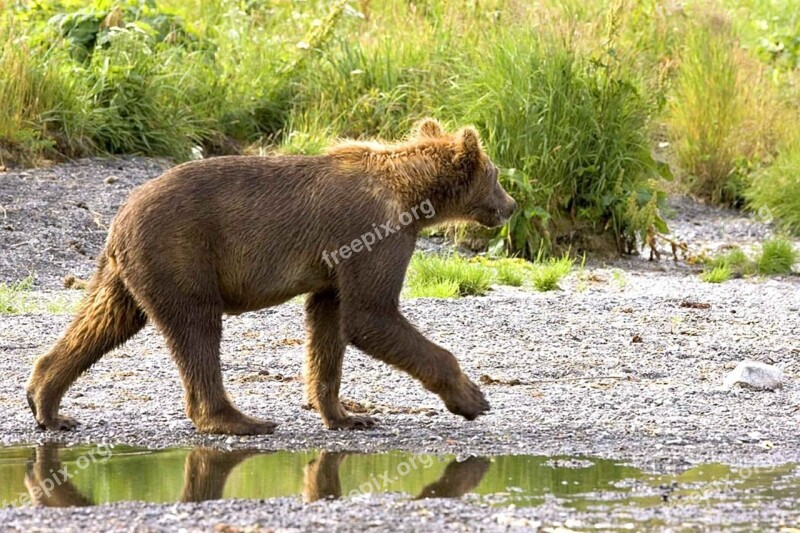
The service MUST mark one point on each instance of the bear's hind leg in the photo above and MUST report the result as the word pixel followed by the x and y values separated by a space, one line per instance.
pixel 108 316
pixel 323 365
pixel 193 331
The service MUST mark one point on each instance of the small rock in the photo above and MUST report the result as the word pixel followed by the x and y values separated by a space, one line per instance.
pixel 756 375
pixel 111 180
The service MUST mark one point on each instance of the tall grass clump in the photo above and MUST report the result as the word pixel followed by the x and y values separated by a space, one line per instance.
pixel 28 89
pixel 511 273
pixel 375 89
pixel 377 77
pixel 721 117
pixel 777 257
pixel 140 98
pixel 571 135
pixel 156 78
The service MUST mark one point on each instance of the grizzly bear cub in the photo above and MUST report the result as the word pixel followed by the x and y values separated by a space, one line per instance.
pixel 236 234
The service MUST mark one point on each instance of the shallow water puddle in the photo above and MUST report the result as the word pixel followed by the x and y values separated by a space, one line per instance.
pixel 51 475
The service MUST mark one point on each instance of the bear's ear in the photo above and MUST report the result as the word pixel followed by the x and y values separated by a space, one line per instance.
pixel 428 127
pixel 468 148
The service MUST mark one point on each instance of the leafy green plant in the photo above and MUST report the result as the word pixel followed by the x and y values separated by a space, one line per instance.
pixel 777 257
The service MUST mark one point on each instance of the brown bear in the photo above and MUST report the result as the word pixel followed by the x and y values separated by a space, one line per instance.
pixel 236 234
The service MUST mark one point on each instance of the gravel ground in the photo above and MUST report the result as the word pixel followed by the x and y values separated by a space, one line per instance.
pixel 613 365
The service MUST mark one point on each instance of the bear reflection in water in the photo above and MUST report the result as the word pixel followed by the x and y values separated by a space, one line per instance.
pixel 206 471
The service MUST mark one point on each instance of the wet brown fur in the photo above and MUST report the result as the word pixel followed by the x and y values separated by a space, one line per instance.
pixel 235 234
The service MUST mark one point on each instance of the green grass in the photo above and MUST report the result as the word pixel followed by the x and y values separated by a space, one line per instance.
pixel 17 298
pixel 718 274
pixel 14 298
pixel 546 274
pixel 436 289
pixel 453 276
pixel 619 278
pixel 511 273
pixel 733 258
pixel 565 120
pixel 771 29
pixel 435 276
pixel 777 257
pixel 734 261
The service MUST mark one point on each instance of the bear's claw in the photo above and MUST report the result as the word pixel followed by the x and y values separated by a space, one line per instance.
pixel 467 401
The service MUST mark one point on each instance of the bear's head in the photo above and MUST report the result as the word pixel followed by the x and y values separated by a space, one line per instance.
pixel 467 187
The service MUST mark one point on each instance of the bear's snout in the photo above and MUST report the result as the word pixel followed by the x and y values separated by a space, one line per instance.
pixel 511 206
pixel 507 208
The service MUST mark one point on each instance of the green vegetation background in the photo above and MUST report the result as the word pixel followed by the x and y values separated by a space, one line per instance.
pixel 588 107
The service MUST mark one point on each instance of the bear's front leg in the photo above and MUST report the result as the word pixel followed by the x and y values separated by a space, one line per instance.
pixel 388 336
pixel 369 292
pixel 323 365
